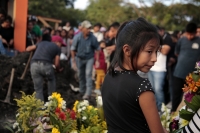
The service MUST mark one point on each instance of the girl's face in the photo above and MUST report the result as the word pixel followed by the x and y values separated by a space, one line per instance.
pixel 63 33
pixel 148 56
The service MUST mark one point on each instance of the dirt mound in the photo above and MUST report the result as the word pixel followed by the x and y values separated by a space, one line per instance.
pixel 63 81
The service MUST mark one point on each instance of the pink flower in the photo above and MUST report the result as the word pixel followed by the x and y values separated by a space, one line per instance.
pixel 189 96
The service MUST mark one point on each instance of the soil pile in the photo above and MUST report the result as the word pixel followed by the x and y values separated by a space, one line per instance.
pixel 63 81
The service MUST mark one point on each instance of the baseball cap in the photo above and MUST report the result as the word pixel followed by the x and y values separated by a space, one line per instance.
pixel 86 24
pixel 33 18
pixel 57 39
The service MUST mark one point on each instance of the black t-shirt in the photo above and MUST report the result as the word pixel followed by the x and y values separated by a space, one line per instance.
pixel 7 34
pixel 120 94
pixel 110 42
pixel 167 40
pixel 29 36
pixel 46 51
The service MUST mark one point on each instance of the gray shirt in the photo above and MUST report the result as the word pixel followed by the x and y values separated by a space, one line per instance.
pixel 85 47
pixel 46 51
pixel 188 52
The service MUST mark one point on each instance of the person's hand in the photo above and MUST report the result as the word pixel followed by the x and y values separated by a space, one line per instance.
pixel 61 69
pixel 74 66
pixel 165 131
pixel 4 41
pixel 97 64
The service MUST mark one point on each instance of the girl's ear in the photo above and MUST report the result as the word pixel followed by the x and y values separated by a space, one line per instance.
pixel 127 50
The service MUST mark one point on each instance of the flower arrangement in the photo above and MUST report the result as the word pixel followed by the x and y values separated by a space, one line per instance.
pixel 165 117
pixel 88 118
pixel 35 116
pixel 188 115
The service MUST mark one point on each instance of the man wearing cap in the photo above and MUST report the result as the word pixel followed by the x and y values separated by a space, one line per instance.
pixel 46 54
pixel 36 28
pixel 83 47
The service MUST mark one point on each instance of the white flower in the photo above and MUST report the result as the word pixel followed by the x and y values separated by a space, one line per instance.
pixel 81 104
pixel 105 131
pixel 168 124
pixel 79 110
pixel 168 117
pixel 46 118
pixel 49 98
pixel 177 118
pixel 46 104
pixel 99 101
pixel 17 114
pixel 168 111
pixel 163 107
pixel 164 114
pixel 74 131
pixel 84 108
pixel 63 104
pixel 183 122
pixel 19 129
pixel 15 125
pixel 84 118
pixel 86 103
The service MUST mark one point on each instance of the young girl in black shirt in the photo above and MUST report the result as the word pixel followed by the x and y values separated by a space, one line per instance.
pixel 128 100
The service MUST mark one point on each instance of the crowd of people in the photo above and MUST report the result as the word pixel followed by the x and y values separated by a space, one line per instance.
pixel 113 58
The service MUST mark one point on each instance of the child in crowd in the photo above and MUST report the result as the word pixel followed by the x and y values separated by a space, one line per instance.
pixel 128 100
pixel 101 70
pixel 110 42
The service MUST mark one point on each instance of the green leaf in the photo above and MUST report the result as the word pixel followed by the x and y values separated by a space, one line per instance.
pixel 195 77
pixel 178 131
pixel 191 106
pixel 194 104
pixel 9 128
pixel 65 130
pixel 186 114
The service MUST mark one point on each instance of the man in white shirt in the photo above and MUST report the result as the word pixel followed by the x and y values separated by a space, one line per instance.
pixel 96 32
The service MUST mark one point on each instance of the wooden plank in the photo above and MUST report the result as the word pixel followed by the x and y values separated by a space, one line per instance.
pixel 51 20
pixel 43 21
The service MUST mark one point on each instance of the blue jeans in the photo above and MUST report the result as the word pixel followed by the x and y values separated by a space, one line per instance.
pixel 85 75
pixel 2 49
pixel 39 71
pixel 157 80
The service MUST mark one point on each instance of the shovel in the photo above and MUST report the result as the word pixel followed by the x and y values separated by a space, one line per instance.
pixel 28 62
pixel 7 99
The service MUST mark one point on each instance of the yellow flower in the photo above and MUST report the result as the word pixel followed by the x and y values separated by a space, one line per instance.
pixel 104 125
pixel 75 104
pixel 89 108
pixel 57 96
pixel 55 130
pixel 183 123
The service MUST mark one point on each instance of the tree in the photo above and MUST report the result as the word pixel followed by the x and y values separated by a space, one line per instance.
pixel 55 9
pixel 69 3
pixel 108 11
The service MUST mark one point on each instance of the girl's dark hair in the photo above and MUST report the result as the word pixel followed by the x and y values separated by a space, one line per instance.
pixel 136 34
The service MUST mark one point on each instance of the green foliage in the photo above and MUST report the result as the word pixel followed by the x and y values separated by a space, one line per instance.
pixel 194 105
pixel 108 11
pixel 172 17
pixel 187 115
pixel 30 109
pixel 56 9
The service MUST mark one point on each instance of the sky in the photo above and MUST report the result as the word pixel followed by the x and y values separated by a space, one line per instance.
pixel 82 4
